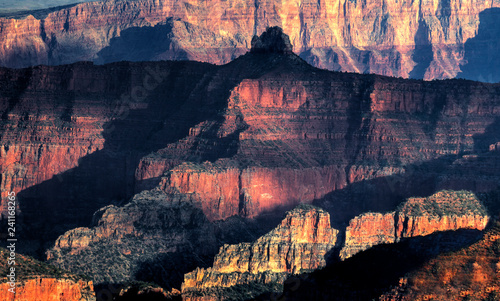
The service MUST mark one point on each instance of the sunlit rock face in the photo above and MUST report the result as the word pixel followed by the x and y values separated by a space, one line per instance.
pixel 443 211
pixel 301 242
pixel 49 289
pixel 418 39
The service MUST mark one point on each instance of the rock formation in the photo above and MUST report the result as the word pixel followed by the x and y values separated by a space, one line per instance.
pixel 154 237
pixel 280 253
pixel 419 39
pixel 442 211
pixel 300 243
pixel 35 280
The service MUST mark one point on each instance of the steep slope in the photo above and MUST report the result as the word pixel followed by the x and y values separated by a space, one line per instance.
pixel 450 265
pixel 372 273
pixel 71 137
pixel 35 280
pixel 419 39
pixel 155 237
pixel 276 131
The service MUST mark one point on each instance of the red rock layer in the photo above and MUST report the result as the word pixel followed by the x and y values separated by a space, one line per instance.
pixel 50 289
pixel 279 131
pixel 300 243
pixel 443 211
pixel 367 230
pixel 384 38
pixel 248 192
pixel 35 280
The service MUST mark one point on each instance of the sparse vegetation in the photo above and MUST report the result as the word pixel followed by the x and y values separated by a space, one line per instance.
pixel 28 268
pixel 442 203
pixel 239 292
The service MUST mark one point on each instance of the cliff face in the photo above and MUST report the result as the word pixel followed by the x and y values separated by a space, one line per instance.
pixel 71 137
pixel 304 239
pixel 38 281
pixel 367 230
pixel 300 243
pixel 423 39
pixel 49 289
pixel 443 211
pixel 250 191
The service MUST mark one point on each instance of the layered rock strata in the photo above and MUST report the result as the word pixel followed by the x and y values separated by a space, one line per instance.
pixel 436 39
pixel 443 211
pixel 279 130
pixel 213 145
pixel 300 243
pixel 49 289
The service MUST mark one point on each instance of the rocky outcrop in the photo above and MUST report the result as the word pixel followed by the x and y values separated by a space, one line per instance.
pixel 300 243
pixel 35 280
pixel 409 39
pixel 442 211
pixel 155 236
pixel 272 40
pixel 368 230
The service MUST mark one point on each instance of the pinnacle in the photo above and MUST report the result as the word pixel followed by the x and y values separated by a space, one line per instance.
pixel 273 40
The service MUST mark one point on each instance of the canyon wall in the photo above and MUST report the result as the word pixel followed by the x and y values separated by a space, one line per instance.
pixel 304 241
pixel 79 137
pixel 419 39
pixel 72 136
pixel 212 155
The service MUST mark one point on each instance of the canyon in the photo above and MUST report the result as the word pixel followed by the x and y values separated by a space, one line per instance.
pixel 164 166
pixel 411 39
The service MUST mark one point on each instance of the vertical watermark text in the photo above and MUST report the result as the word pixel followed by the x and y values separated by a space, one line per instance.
pixel 11 241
